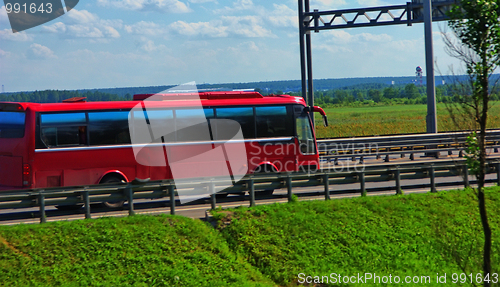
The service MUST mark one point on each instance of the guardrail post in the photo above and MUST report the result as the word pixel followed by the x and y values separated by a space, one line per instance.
pixel 213 201
pixel 362 184
pixel 41 202
pixel 466 176
pixel 289 187
pixel 433 179
pixel 498 173
pixel 251 191
pixel 86 201
pixel 398 181
pixel 171 191
pixel 130 196
pixel 326 184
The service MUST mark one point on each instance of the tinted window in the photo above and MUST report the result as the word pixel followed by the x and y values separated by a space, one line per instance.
pixel 273 122
pixel 192 124
pixel 108 128
pixel 12 124
pixel 244 116
pixel 61 136
pixel 161 124
pixel 63 119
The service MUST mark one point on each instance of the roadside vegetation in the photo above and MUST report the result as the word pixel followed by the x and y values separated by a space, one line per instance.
pixel 268 245
pixel 131 251
pixel 347 121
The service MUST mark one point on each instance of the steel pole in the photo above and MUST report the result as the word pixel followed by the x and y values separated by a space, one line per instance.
pixel 310 93
pixel 302 50
pixel 431 118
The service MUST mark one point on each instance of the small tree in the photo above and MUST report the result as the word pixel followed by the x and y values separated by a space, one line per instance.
pixel 476 25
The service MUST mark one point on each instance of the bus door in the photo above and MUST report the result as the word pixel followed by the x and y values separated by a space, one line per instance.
pixel 307 158
pixel 13 147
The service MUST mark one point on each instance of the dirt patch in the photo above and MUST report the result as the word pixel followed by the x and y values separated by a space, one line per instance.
pixel 14 249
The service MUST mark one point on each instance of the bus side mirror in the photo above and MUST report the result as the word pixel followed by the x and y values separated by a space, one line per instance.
pixel 322 113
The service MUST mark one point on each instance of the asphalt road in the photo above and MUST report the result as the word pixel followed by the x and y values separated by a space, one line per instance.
pixel 199 208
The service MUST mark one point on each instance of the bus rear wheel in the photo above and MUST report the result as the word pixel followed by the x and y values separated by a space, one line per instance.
pixel 113 179
pixel 265 169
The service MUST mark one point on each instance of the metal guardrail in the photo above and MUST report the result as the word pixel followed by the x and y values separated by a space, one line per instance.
pixel 86 195
pixel 378 146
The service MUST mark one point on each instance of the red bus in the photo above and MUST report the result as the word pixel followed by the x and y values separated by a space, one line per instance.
pixel 85 143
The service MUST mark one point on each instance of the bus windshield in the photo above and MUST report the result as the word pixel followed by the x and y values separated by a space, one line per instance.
pixel 12 124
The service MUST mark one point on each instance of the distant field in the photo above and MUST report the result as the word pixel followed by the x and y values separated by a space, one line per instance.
pixel 383 120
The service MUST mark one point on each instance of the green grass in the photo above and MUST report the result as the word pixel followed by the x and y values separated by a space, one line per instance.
pixel 413 235
pixel 384 120
pixel 132 251
pixel 269 245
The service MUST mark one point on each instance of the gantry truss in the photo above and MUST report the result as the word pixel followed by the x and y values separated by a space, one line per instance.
pixel 373 16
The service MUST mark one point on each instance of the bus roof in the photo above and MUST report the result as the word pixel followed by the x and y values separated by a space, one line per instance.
pixel 226 95
pixel 168 100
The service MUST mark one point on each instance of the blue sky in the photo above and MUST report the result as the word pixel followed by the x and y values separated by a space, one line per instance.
pixel 122 43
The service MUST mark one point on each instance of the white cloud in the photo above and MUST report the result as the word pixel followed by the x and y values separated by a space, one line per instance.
pixel 58 27
pixel 39 52
pixel 4 18
pixel 201 1
pixel 83 24
pixel 246 26
pixel 250 45
pixel 283 16
pixel 145 28
pixel 209 29
pixel 7 34
pixel 243 4
pixel 372 3
pixel 368 37
pixel 149 46
pixel 239 5
pixel 166 6
pixel 80 17
pixel 4 53
pixel 327 4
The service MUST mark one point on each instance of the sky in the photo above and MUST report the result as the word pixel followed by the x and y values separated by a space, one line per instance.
pixel 129 43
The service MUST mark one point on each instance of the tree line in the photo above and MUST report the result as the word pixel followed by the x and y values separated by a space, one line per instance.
pixel 360 94
pixel 403 94
pixel 56 96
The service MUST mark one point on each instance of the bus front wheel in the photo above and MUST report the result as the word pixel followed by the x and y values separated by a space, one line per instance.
pixel 113 179
pixel 265 169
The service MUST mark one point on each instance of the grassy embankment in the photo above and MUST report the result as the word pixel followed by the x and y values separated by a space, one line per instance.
pixel 410 235
pixel 382 120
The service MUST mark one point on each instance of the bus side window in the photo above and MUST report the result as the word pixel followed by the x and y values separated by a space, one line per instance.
pixel 82 135
pixel 192 125
pixel 109 128
pixel 61 129
pixel 273 121
pixel 49 136
pixel 242 115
